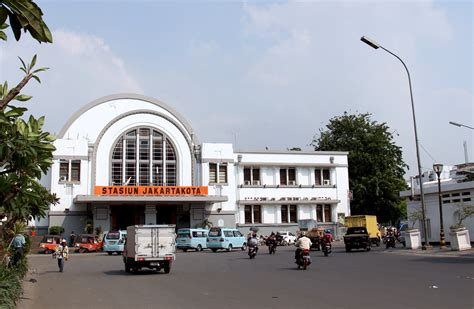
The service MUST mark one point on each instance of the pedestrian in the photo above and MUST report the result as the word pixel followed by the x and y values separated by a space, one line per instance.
pixel 61 254
pixel 18 244
pixel 72 239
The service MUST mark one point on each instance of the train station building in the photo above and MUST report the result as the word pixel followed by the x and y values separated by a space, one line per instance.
pixel 129 159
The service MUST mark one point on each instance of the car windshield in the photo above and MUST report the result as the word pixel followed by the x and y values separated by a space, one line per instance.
pixel 214 232
pixel 113 235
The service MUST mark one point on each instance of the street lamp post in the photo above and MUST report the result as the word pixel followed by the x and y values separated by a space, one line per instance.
pixel 460 125
pixel 438 168
pixel 376 45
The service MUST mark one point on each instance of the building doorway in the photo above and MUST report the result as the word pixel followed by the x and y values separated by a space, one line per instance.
pixel 166 214
pixel 123 216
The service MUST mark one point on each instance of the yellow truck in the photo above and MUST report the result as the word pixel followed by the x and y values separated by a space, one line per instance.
pixel 369 222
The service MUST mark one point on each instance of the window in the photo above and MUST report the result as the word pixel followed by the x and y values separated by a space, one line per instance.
pixel 144 156
pixel 288 176
pixel 237 234
pixel 253 214
pixel 228 234
pixel 319 213
pixel 252 176
pixel 327 213
pixel 212 172
pixel 69 170
pixel 289 214
pixel 217 172
pixel 322 177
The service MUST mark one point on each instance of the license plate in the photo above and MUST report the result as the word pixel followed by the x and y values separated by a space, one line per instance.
pixel 154 264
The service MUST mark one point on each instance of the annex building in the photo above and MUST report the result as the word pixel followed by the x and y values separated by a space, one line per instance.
pixel 129 159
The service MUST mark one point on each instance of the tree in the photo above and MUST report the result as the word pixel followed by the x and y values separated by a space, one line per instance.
pixel 23 15
pixel 376 166
pixel 25 149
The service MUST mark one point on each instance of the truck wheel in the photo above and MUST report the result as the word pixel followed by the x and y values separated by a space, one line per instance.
pixel 127 268
pixel 167 268
pixel 367 248
pixel 135 270
pixel 198 248
pixel 214 250
pixel 185 250
pixel 348 249
pixel 109 253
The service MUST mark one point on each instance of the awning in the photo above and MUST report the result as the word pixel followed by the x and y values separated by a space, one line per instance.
pixel 142 199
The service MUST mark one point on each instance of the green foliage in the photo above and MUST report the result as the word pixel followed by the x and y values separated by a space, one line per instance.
pixel 376 166
pixel 462 212
pixel 415 217
pixel 205 224
pixel 25 155
pixel 23 15
pixel 56 230
pixel 98 230
pixel 89 228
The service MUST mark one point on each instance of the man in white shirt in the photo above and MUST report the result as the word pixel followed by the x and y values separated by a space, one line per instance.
pixel 303 243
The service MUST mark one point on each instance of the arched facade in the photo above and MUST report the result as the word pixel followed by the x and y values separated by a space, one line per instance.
pixel 129 159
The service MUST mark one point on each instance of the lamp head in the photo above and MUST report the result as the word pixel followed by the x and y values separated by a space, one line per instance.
pixel 438 168
pixel 455 123
pixel 370 42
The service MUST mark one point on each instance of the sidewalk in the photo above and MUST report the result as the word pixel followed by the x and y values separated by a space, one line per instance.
pixel 436 251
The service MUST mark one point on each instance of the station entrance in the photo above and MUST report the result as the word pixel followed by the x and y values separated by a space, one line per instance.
pixel 122 216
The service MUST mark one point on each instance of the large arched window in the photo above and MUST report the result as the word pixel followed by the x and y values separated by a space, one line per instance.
pixel 144 157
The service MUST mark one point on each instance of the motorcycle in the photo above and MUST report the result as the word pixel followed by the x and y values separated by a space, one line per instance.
pixel 390 241
pixel 327 248
pixel 303 260
pixel 252 251
pixel 272 244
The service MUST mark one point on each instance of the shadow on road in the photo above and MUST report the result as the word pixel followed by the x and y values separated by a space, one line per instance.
pixel 139 273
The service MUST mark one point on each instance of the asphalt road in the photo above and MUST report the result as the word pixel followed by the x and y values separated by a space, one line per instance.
pixel 375 279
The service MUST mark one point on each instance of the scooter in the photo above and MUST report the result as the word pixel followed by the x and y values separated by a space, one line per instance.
pixel 303 260
pixel 271 246
pixel 390 241
pixel 252 251
pixel 327 248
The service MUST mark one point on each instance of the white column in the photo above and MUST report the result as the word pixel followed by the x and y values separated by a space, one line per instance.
pixel 278 214
pixel 150 214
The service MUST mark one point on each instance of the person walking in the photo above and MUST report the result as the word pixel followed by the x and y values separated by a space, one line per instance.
pixel 72 239
pixel 61 254
pixel 18 244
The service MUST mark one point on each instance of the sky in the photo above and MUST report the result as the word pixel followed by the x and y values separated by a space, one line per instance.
pixel 264 73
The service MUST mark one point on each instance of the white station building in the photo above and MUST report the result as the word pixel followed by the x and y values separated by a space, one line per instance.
pixel 129 159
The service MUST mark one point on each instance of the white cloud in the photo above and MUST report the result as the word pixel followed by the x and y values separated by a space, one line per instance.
pixel 82 68
pixel 315 66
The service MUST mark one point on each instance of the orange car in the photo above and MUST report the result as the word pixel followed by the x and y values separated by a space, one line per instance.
pixel 49 243
pixel 88 243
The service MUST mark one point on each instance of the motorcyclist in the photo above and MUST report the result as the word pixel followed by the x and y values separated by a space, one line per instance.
pixel 271 240
pixel 252 241
pixel 301 244
pixel 327 237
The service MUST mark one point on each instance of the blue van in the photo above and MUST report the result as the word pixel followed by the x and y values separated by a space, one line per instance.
pixel 114 242
pixel 225 238
pixel 191 239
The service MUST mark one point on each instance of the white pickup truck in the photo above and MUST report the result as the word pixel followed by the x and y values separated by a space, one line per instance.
pixel 150 246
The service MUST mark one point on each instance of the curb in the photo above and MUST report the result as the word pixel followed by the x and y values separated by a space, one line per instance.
pixel 432 253
pixel 29 285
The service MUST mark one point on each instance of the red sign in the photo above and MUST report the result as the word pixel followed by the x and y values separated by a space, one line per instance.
pixel 150 190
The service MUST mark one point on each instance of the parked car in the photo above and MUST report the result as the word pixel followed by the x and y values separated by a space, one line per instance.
pixel 49 243
pixel 192 239
pixel 225 238
pixel 88 243
pixel 114 242
pixel 288 237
